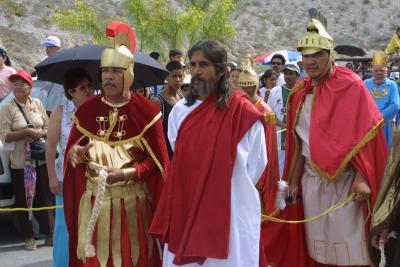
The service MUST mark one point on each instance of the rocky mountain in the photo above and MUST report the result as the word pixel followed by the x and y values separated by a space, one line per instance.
pixel 262 25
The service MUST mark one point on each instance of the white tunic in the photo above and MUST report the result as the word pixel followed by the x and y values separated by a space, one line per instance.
pixel 251 160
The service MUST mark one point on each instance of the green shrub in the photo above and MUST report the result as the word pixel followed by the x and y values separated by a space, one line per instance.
pixel 14 8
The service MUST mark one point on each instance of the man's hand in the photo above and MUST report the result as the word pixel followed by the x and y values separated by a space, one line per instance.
pixel 54 185
pixel 382 237
pixel 77 153
pixel 114 175
pixel 361 188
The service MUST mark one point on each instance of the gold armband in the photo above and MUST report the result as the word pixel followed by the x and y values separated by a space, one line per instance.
pixel 129 173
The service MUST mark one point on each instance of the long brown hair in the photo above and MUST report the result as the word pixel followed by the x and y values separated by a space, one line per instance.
pixel 215 53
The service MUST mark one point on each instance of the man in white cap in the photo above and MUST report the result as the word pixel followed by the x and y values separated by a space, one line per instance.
pixel 52 45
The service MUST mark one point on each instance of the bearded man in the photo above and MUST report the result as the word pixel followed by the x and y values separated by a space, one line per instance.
pixel 210 212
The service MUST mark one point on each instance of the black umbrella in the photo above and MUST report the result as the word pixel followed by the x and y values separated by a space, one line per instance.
pixel 148 72
pixel 350 50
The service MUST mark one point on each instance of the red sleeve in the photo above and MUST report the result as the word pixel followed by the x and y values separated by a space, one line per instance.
pixel 145 168
pixel 269 179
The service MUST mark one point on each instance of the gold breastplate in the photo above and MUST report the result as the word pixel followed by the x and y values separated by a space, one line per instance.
pixel 109 156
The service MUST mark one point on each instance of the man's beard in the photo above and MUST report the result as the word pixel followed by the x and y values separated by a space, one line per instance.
pixel 199 86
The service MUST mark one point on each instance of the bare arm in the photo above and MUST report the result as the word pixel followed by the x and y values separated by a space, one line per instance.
pixel 17 135
pixel 53 138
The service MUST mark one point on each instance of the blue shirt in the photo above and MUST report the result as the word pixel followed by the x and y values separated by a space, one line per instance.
pixel 386 97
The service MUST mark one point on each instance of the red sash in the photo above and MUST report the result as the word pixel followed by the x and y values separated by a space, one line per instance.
pixel 193 216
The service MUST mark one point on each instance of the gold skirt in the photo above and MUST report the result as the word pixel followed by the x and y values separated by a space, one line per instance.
pixel 111 209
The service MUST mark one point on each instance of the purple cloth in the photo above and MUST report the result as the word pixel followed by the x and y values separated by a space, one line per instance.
pixel 30 176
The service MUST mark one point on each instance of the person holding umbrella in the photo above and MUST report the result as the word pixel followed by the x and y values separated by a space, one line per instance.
pixel 116 156
pixel 78 88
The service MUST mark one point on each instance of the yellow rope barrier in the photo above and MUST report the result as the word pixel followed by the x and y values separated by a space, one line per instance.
pixel 281 131
pixel 326 212
pixel 31 209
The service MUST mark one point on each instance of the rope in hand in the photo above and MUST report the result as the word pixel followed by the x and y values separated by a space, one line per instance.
pixel 314 218
pixel 90 251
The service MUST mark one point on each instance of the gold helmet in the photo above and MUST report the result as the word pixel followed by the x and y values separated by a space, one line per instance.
pixel 120 50
pixel 248 77
pixel 380 59
pixel 316 38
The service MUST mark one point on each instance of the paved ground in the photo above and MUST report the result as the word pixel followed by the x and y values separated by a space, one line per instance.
pixel 12 253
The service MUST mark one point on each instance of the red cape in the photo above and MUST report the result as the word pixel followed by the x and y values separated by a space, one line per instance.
pixel 345 129
pixel 143 118
pixel 267 184
pixel 193 216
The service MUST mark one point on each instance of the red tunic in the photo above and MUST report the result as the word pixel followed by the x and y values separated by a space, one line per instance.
pixel 268 182
pixel 193 216
pixel 142 119
pixel 344 129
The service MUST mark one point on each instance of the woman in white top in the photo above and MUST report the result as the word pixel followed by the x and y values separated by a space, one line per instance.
pixel 77 88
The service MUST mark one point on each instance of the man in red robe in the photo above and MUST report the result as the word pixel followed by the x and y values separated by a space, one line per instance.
pixel 210 213
pixel 334 147
pixel 115 167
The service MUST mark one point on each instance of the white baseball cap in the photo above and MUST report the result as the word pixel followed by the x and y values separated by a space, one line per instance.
pixel 51 41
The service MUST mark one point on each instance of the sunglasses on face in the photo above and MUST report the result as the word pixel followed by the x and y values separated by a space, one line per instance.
pixel 276 63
